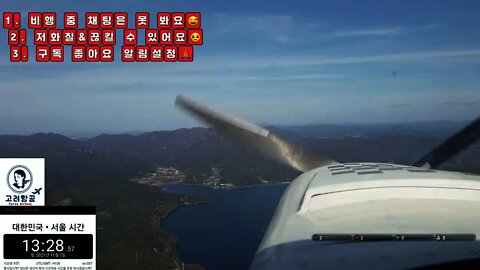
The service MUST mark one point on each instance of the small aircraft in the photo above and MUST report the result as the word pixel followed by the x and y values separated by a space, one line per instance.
pixel 363 215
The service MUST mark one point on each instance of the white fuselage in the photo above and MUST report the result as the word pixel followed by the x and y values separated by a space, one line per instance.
pixel 372 198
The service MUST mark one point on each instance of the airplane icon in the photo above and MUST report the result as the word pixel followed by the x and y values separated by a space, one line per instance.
pixel 37 191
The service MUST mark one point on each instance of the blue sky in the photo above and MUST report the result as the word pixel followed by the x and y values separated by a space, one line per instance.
pixel 278 62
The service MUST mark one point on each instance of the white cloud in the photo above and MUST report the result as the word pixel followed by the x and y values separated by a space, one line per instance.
pixel 369 32
pixel 384 30
pixel 242 62
pixel 296 77
pixel 389 58
pixel 276 28
pixel 214 70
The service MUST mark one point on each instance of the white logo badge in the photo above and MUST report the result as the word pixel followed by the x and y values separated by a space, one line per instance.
pixel 22 181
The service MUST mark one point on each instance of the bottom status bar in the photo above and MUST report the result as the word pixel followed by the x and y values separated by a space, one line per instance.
pixel 393 237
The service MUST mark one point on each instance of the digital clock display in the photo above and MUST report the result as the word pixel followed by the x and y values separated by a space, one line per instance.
pixel 48 246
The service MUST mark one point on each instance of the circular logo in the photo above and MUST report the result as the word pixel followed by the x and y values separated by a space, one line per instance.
pixel 19 179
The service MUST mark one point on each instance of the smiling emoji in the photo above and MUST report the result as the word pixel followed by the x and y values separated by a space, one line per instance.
pixel 193 20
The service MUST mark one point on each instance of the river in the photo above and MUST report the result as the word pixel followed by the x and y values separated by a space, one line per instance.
pixel 225 232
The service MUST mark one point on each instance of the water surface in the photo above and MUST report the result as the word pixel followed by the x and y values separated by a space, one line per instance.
pixel 225 232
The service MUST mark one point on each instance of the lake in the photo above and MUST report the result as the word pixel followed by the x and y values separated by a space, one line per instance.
pixel 225 232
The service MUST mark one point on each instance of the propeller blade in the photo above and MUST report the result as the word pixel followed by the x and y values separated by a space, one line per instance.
pixel 255 137
pixel 451 146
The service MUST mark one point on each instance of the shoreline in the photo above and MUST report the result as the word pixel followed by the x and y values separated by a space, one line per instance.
pixel 160 184
pixel 210 194
pixel 173 241
pixel 204 201
pixel 171 211
pixel 189 200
